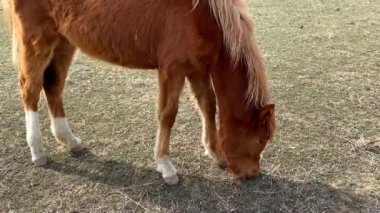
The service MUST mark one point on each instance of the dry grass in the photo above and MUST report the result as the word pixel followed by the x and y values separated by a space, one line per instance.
pixel 323 60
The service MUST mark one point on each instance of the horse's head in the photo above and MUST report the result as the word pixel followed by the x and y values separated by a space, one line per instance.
pixel 243 142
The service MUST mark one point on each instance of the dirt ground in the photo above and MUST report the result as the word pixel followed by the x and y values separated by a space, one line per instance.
pixel 323 62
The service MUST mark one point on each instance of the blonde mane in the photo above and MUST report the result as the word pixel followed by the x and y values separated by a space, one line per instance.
pixel 236 24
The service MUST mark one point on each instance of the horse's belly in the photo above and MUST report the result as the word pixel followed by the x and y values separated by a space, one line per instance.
pixel 113 50
pixel 111 37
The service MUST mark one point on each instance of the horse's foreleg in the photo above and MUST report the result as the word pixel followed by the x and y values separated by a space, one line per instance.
pixel 31 67
pixel 54 81
pixel 202 89
pixel 171 84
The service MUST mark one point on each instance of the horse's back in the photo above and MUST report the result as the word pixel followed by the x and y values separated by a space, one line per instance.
pixel 133 33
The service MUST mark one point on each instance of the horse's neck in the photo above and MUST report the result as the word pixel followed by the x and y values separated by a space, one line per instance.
pixel 230 84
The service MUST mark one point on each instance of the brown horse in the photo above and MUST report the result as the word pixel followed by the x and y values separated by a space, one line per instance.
pixel 207 42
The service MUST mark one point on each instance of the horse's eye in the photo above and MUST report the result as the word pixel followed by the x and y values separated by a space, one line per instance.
pixel 262 142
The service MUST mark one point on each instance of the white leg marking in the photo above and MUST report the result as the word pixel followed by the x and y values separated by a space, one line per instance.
pixel 15 50
pixel 33 137
pixel 205 139
pixel 62 132
pixel 165 166
pixel 168 171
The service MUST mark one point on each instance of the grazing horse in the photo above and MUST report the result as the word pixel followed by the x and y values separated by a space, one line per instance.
pixel 208 42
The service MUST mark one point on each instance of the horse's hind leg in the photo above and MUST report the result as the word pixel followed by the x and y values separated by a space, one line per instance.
pixel 54 80
pixel 202 89
pixel 34 56
pixel 171 80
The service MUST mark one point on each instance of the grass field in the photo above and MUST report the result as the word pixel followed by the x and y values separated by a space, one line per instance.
pixel 323 61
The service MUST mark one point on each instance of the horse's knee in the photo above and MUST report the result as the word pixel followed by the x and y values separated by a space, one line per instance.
pixel 30 92
pixel 167 117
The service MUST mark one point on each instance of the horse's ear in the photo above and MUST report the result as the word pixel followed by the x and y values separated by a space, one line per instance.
pixel 266 112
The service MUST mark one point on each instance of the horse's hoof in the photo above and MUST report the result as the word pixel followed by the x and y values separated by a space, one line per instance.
pixel 207 153
pixel 77 150
pixel 172 180
pixel 222 165
pixel 42 161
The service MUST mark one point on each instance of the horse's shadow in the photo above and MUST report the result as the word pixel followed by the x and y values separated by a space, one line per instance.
pixel 266 193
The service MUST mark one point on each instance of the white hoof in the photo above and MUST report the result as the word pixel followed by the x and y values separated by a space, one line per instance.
pixel 168 171
pixel 173 180
pixel 42 161
pixel 207 153
pixel 210 154
pixel 77 149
